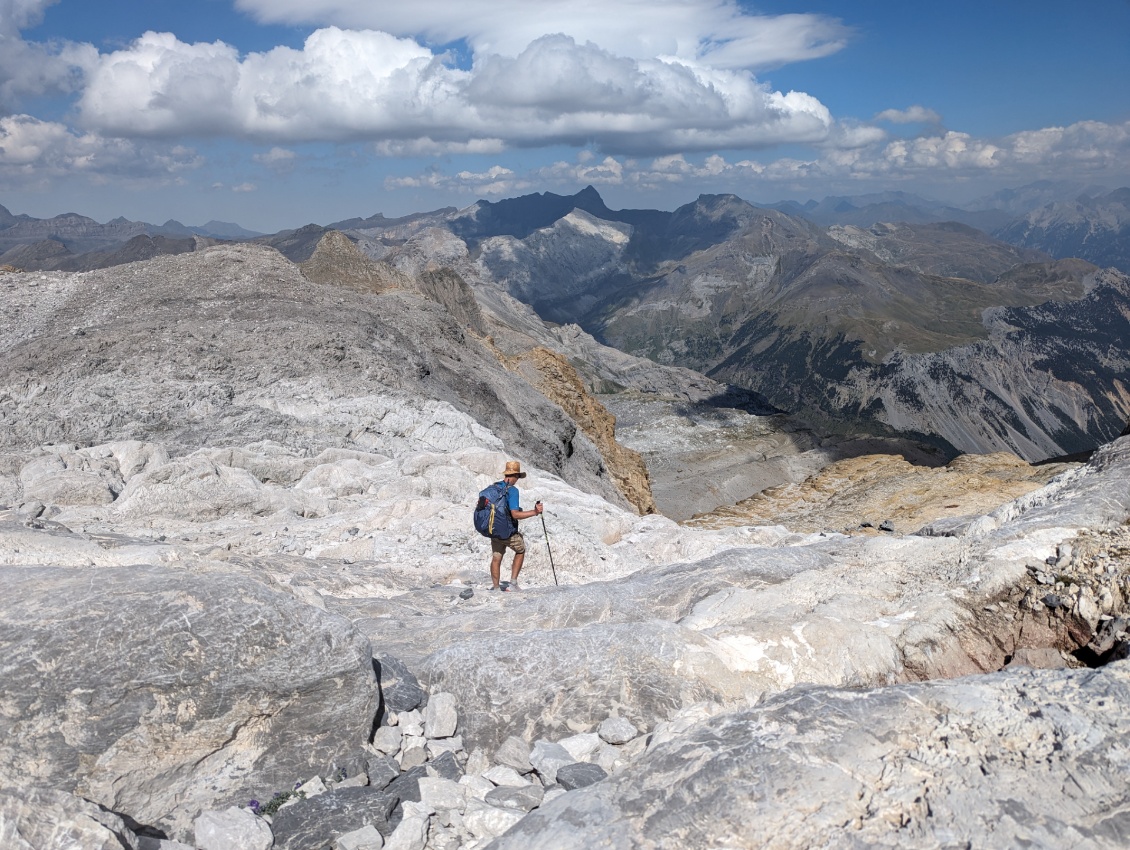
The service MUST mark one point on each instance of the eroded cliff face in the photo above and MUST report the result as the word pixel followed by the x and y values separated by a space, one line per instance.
pixel 1048 380
pixel 558 381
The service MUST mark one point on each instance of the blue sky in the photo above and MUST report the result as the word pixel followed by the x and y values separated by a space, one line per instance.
pixel 275 113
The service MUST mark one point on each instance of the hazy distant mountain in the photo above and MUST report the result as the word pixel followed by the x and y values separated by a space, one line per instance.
pixel 52 255
pixel 34 256
pixel 80 234
pixel 213 229
pixel 521 216
pixel 853 326
pixel 1024 199
pixel 896 207
pixel 1095 229
pixel 77 232
pixel 224 230
pixel 379 222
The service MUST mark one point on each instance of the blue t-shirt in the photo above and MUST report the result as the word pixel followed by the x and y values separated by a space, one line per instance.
pixel 512 497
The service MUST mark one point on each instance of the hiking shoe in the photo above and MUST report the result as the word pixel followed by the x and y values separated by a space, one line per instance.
pixel 496 587
pixel 511 586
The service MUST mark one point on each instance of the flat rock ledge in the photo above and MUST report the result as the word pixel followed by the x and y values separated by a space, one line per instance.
pixel 1013 759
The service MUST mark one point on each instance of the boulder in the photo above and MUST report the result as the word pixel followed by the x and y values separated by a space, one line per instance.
pixel 440 793
pixel 547 758
pixel 504 776
pixel 381 771
pixel 232 829
pixel 617 730
pixel 412 831
pixel 445 765
pixel 365 838
pixel 515 753
pixel 579 775
pixel 169 693
pixel 400 690
pixel 317 821
pixel 523 799
pixel 440 717
pixel 583 745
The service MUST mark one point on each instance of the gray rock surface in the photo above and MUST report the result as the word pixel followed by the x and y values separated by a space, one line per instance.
pixel 523 798
pixel 579 775
pixel 317 821
pixel 835 611
pixel 976 762
pixel 400 690
pixel 617 730
pixel 441 717
pixel 232 829
pixel 365 838
pixel 45 819
pixel 226 364
pixel 179 692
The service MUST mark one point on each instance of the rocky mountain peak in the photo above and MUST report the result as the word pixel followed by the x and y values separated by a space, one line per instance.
pixel 336 260
pixel 523 215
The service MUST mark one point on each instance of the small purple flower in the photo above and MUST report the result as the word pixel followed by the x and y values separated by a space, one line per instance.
pixel 254 806
pixel 297 784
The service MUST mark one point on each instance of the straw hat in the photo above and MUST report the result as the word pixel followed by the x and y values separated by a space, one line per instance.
pixel 513 468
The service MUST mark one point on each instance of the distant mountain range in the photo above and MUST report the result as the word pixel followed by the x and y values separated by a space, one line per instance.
pixel 881 312
pixel 60 240
pixel 1061 219
pixel 1095 229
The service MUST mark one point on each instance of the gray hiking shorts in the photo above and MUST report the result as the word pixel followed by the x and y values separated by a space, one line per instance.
pixel 515 541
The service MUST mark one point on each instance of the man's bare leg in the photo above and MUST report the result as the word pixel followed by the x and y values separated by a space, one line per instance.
pixel 495 568
pixel 516 567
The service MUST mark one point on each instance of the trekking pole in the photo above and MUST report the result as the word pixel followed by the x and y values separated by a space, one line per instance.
pixel 545 531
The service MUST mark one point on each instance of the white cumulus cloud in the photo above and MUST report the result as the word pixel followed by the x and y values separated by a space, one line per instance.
pixel 30 70
pixel 366 85
pixel 31 150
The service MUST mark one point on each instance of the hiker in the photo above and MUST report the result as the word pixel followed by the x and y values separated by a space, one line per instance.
pixel 515 541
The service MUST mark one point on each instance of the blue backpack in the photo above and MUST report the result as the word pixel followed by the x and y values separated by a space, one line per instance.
pixel 492 512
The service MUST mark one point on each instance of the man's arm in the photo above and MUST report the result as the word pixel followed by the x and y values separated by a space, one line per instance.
pixel 527 514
